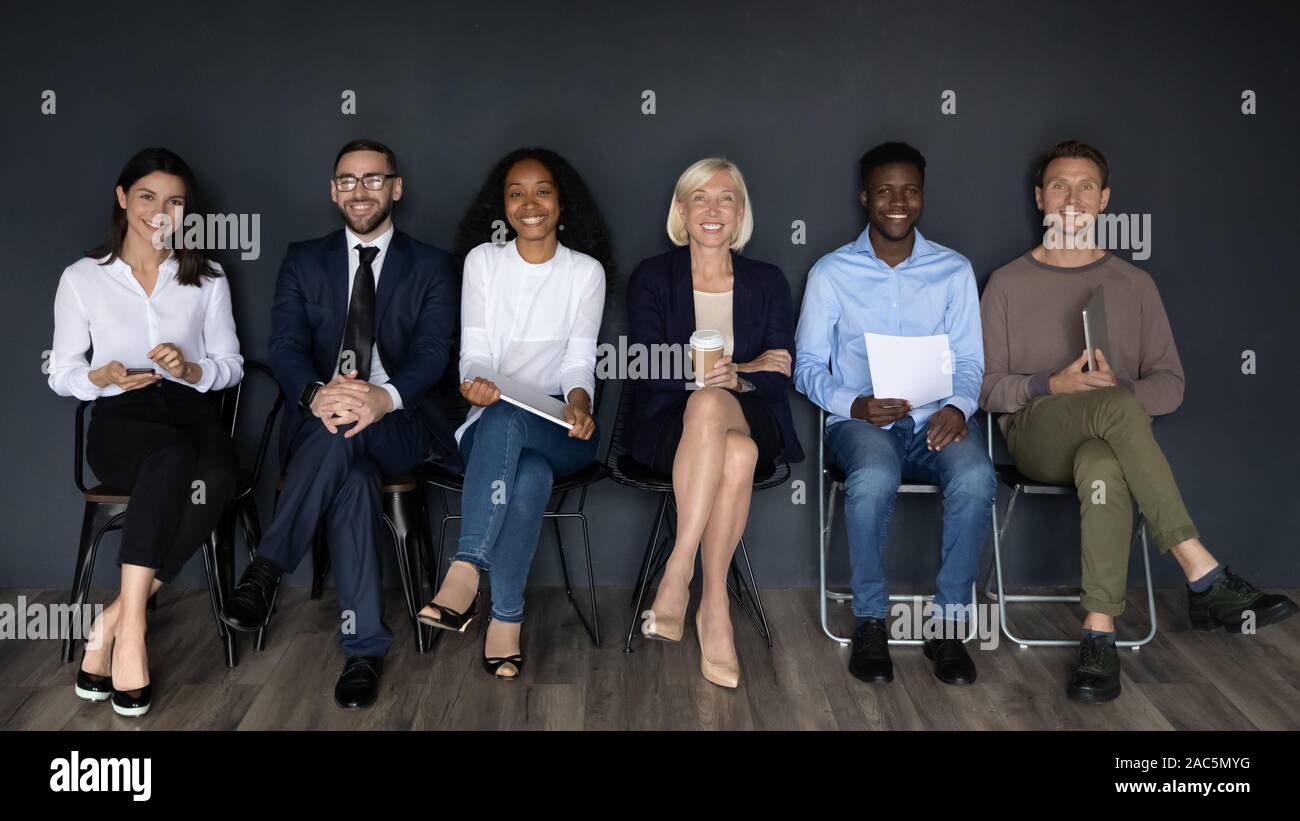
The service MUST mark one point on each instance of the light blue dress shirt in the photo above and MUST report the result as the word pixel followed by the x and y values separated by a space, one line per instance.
pixel 851 292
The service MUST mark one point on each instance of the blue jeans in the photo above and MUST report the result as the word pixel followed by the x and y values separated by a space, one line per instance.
pixel 875 461
pixel 511 457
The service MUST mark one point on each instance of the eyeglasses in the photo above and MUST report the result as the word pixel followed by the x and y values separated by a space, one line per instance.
pixel 372 182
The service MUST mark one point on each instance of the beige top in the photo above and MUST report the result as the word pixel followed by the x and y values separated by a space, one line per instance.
pixel 713 313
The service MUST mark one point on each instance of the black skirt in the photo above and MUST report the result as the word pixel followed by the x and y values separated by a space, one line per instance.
pixel 763 429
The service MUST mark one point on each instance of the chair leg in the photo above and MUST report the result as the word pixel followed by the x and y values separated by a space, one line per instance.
pixel 1151 590
pixel 252 526
pixel 762 625
pixel 223 558
pixel 649 549
pixel 592 628
pixel 320 562
pixel 259 643
pixel 399 511
pixel 97 520
pixel 428 552
pixel 435 569
pixel 211 567
pixel 591 577
pixel 643 578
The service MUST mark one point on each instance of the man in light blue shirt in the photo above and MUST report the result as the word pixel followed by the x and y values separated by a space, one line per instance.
pixel 891 280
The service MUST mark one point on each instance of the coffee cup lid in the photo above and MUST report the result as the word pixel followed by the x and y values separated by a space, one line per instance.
pixel 707 340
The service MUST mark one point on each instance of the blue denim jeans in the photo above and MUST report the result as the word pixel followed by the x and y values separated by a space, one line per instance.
pixel 511 457
pixel 875 461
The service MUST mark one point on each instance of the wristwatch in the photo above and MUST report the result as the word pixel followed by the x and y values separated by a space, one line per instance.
pixel 308 394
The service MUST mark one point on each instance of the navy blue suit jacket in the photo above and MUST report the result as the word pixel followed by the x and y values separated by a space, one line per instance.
pixel 661 310
pixel 417 303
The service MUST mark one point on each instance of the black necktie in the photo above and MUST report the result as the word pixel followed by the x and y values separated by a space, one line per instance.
pixel 359 334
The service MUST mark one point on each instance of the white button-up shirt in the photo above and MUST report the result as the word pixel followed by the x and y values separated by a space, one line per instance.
pixel 103 307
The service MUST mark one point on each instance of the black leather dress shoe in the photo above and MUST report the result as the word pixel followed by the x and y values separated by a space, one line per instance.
pixel 249 604
pixel 358 686
pixel 952 664
pixel 1232 602
pixel 1096 680
pixel 870 661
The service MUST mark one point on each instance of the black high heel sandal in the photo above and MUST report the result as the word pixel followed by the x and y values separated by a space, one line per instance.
pixel 449 619
pixel 493 666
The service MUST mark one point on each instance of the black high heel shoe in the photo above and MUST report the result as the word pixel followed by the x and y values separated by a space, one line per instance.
pixel 132 702
pixel 92 687
pixel 449 619
pixel 493 664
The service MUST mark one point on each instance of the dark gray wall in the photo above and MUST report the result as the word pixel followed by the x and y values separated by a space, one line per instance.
pixel 249 94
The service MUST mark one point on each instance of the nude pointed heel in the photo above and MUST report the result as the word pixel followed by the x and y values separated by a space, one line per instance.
pixel 723 675
pixel 662 628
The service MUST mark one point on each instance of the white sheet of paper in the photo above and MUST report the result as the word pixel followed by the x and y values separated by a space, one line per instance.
pixel 915 368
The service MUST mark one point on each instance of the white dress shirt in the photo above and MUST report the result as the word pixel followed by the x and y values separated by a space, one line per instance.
pixel 103 307
pixel 534 323
pixel 378 376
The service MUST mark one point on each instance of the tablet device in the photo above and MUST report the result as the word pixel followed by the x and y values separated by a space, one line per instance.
pixel 519 394
pixel 1094 328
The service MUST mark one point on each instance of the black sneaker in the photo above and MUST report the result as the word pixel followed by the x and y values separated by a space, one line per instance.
pixel 1096 680
pixel 249 604
pixel 1231 600
pixel 870 660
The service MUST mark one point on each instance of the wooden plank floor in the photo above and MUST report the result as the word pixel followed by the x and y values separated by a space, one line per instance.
pixel 1183 680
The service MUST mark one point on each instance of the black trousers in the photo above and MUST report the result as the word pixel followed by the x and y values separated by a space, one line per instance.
pixel 164 444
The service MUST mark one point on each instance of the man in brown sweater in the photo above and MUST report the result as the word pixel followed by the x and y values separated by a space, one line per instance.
pixel 1065 423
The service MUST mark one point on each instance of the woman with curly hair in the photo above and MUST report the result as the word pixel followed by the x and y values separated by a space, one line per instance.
pixel 531 308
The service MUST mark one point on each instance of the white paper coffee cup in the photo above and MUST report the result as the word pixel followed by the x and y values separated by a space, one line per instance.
pixel 706 350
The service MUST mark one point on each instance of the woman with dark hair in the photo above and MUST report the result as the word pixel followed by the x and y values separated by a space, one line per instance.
pixel 531 308
pixel 160 327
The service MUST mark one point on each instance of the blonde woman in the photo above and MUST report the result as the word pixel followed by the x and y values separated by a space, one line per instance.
pixel 714 438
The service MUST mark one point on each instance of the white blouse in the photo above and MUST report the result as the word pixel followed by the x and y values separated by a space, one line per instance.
pixel 103 307
pixel 534 323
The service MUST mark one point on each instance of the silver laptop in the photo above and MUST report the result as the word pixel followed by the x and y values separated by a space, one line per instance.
pixel 519 394
pixel 1094 328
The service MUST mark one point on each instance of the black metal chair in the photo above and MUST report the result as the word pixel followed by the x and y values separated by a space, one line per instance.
pixel 626 471
pixel 407 521
pixel 106 509
pixel 446 482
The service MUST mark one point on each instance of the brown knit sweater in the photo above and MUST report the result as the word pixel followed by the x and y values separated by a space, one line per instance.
pixel 1033 327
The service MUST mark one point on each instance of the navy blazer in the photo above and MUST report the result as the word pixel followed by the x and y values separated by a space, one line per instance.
pixel 661 309
pixel 416 309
